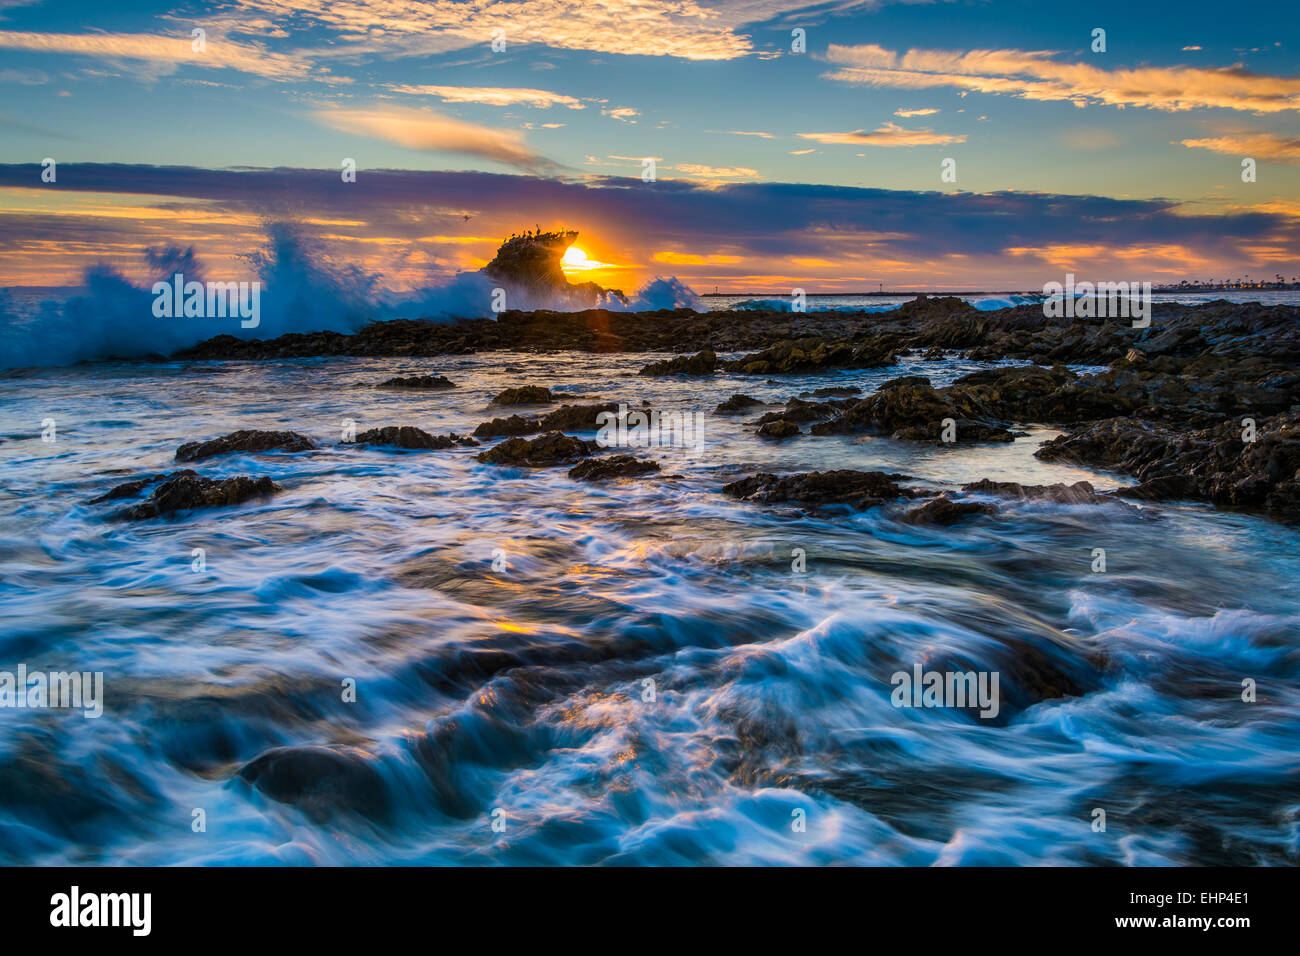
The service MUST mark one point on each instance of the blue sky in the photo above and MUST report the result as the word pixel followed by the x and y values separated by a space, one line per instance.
pixel 584 91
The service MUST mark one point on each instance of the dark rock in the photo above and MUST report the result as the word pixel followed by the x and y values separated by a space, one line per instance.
pixel 910 408
pixel 553 448
pixel 737 403
pixel 944 511
pixel 246 440
pixel 1081 492
pixel 832 391
pixel 410 437
pixel 617 466
pixel 814 354
pixel 420 382
pixel 321 782
pixel 861 489
pixel 701 363
pixel 778 430
pixel 128 490
pixel 524 395
pixel 187 490
pixel 577 418
pixel 798 410
pixel 514 425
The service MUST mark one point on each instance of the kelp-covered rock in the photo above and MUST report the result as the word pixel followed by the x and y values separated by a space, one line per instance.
pixel 553 448
pixel 188 490
pixel 245 440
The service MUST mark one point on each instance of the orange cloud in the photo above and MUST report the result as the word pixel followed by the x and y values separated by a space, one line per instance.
pixel 891 134
pixel 493 95
pixel 433 132
pixel 1269 146
pixel 1036 75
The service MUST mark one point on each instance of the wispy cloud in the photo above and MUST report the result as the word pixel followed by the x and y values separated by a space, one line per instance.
pixel 165 53
pixel 716 172
pixel 1266 146
pixel 493 95
pixel 907 114
pixel 891 134
pixel 432 132
pixel 1040 75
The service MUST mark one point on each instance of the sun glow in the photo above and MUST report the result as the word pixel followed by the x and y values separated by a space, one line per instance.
pixel 575 260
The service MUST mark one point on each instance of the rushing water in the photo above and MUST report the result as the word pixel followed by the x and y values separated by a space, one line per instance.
pixel 520 695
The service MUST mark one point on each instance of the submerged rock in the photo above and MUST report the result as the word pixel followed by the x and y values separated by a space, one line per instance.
pixel 320 781
pixel 861 489
pixel 737 403
pixel 553 448
pixel 245 440
pixel 617 466
pixel 188 490
pixel 421 382
pixel 410 437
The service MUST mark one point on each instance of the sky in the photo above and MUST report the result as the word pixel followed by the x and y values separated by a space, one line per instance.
pixel 1113 156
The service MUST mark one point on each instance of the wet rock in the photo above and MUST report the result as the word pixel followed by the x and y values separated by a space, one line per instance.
pixel 616 466
pixel 832 391
pixel 814 354
pixel 778 430
pixel 577 418
pixel 524 395
pixel 703 362
pixel 943 511
pixel 861 489
pixel 514 425
pixel 320 781
pixel 553 448
pixel 188 490
pixel 798 410
pixel 246 440
pixel 737 403
pixel 1210 464
pixel 419 382
pixel 410 437
pixel 1081 492
pixel 128 490
pixel 912 409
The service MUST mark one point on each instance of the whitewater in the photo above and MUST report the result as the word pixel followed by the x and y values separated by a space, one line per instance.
pixel 547 671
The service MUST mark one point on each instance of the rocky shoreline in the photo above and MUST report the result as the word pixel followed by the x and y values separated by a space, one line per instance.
pixel 1204 404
